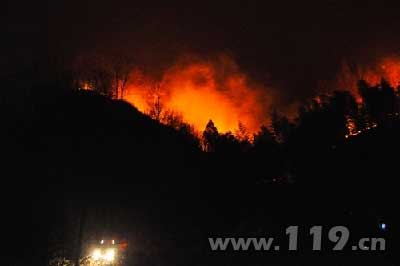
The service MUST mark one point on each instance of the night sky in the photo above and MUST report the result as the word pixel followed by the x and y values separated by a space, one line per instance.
pixel 291 44
pixel 71 150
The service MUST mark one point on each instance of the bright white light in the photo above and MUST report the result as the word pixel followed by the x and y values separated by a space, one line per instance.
pixel 109 255
pixel 102 242
pixel 383 226
pixel 113 242
pixel 96 254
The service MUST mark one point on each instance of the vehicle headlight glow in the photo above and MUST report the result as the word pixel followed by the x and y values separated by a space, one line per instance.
pixel 109 255
pixel 96 254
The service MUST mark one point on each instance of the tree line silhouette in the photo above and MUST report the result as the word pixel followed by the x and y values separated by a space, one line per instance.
pixel 65 148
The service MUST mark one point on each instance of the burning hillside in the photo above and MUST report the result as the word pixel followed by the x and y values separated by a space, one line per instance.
pixel 200 90
pixel 387 68
pixel 194 90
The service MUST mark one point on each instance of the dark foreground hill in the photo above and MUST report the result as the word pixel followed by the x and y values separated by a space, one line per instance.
pixel 73 156
pixel 68 152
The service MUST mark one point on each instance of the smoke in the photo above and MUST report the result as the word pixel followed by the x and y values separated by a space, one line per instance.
pixel 203 89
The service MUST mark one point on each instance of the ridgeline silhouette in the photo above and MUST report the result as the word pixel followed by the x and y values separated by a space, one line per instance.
pixel 66 150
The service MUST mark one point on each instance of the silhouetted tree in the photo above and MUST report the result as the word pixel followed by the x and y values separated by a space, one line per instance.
pixel 264 137
pixel 380 102
pixel 281 126
pixel 121 68
pixel 156 108
pixel 243 137
pixel 175 121
pixel 229 145
pixel 242 133
pixel 104 74
pixel 210 137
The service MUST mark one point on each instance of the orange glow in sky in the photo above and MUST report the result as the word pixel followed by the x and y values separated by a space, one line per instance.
pixel 204 90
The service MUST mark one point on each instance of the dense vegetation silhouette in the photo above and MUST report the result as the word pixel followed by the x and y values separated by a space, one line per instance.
pixel 70 153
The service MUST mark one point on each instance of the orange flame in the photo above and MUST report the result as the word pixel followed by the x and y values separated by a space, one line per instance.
pixel 387 68
pixel 201 90
pixel 85 85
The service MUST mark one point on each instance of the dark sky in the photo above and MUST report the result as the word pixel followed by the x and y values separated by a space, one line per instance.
pixel 294 43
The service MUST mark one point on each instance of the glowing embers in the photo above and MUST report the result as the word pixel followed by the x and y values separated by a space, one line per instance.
pixel 354 131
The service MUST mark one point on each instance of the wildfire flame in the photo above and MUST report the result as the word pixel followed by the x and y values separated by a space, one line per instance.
pixel 201 90
pixel 387 68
